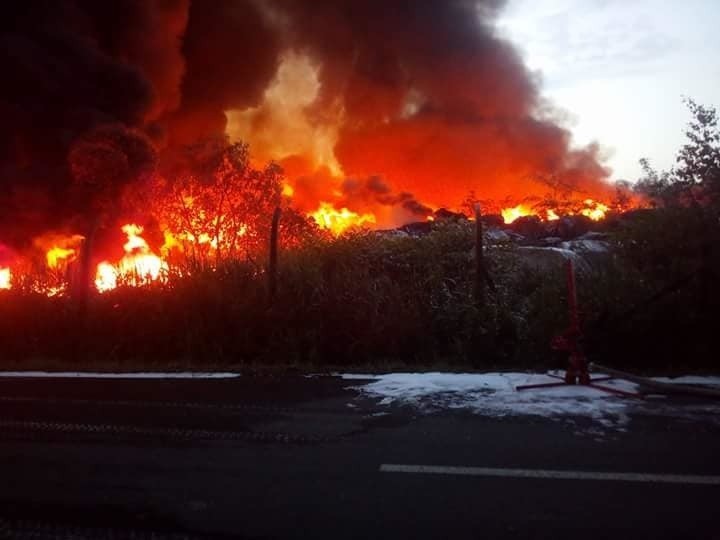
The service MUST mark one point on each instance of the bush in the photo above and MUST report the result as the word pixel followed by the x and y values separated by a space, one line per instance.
pixel 656 303
pixel 381 301
pixel 361 299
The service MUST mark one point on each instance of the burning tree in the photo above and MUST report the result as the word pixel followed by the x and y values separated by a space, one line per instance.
pixel 102 163
pixel 214 206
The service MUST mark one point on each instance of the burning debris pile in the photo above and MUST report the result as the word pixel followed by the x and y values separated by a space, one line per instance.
pixel 591 209
pixel 139 264
pixel 124 121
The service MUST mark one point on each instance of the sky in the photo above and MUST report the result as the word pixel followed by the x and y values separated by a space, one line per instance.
pixel 618 69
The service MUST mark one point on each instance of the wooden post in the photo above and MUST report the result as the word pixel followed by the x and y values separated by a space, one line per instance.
pixel 651 386
pixel 479 257
pixel 572 296
pixel 272 264
pixel 482 276
pixel 81 287
pixel 84 279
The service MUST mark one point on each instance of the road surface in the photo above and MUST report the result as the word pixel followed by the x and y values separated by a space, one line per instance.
pixel 300 457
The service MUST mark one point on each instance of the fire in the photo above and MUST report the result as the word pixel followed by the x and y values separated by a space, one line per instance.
pixel 595 210
pixel 511 214
pixel 338 221
pixel 5 278
pixel 139 265
pixel 57 254
pixel 178 241
pixel 105 277
pixel 288 191
pixel 135 241
pixel 59 249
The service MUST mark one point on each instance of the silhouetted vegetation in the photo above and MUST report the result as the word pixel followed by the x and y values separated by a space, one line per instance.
pixel 385 300
pixel 672 255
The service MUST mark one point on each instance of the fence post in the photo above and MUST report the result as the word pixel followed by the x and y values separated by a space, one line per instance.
pixel 272 264
pixel 84 280
pixel 482 276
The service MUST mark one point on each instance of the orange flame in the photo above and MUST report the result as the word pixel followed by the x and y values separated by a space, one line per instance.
pixel 595 210
pixel 139 265
pixel 338 221
pixel 59 249
pixel 56 255
pixel 5 278
pixel 511 214
pixel 288 190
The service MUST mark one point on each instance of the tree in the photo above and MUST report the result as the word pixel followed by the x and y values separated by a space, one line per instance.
pixel 216 206
pixel 104 161
pixel 695 180
pixel 673 250
pixel 655 185
pixel 699 158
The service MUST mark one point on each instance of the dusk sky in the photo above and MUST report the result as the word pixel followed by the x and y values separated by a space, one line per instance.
pixel 619 68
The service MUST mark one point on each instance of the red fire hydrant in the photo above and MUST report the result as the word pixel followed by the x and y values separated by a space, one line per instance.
pixel 577 370
pixel 569 340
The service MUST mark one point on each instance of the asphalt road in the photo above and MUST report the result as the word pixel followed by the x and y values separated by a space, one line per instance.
pixel 310 458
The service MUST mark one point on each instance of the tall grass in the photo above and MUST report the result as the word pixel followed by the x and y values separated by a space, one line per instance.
pixel 361 300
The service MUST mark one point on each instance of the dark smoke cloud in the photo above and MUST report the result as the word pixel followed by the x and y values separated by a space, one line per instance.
pixel 434 101
pixel 71 66
pixel 146 34
pixel 231 52
pixel 375 190
pixel 374 52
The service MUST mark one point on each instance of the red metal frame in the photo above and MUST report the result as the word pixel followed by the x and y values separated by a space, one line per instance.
pixel 577 370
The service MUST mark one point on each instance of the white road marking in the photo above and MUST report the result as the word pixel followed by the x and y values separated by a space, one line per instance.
pixel 554 474
pixel 128 375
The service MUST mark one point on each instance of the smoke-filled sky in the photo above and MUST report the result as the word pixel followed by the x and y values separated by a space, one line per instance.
pixel 391 106
pixel 620 67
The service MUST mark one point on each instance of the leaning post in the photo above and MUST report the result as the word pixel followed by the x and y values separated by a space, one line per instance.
pixel 83 280
pixel 479 257
pixel 272 263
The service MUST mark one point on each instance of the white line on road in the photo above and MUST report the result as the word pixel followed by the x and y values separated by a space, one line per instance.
pixel 128 375
pixel 554 474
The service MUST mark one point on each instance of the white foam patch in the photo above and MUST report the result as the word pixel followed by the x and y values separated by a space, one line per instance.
pixel 495 394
